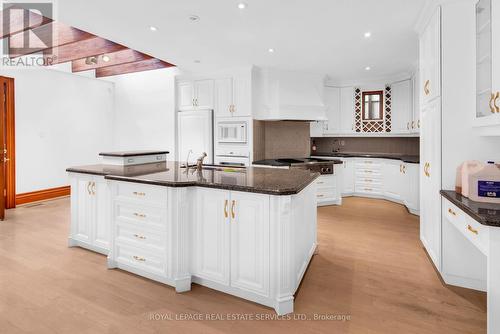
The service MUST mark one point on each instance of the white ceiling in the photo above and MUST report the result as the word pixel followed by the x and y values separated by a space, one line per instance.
pixel 320 36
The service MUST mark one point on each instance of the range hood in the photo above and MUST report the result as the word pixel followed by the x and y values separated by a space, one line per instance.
pixel 286 95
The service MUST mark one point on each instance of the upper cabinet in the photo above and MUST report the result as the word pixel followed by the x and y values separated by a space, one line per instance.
pixel 347 110
pixel 430 59
pixel 233 97
pixel 197 94
pixel 402 109
pixel 488 65
pixel 332 106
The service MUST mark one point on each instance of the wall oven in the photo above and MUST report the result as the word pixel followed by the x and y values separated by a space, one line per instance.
pixel 232 132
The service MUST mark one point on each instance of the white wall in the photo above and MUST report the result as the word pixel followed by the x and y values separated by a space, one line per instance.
pixel 61 120
pixel 145 115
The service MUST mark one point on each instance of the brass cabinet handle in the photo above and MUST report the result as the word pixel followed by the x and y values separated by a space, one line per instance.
pixel 232 209
pixel 368 180
pixel 88 187
pixel 93 188
pixel 492 108
pixel 452 212
pixel 497 108
pixel 139 236
pixel 140 215
pixel 368 171
pixel 404 169
pixel 139 193
pixel 427 165
pixel 426 87
pixel 321 182
pixel 319 195
pixel 225 209
pixel 408 126
pixel 418 124
pixel 368 189
pixel 413 124
pixel 472 230
pixel 400 168
pixel 140 259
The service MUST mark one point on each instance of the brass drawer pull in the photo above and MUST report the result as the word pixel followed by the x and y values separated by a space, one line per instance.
pixel 368 171
pixel 140 215
pixel 321 182
pixel 140 259
pixel 320 195
pixel 368 161
pixel 452 212
pixel 368 189
pixel 137 193
pixel 472 230
pixel 139 236
pixel 492 97
pixel 426 87
pixel 368 180
pixel 225 209
pixel 232 209
pixel 497 108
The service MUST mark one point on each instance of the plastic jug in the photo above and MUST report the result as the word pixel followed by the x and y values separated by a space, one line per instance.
pixel 463 171
pixel 485 184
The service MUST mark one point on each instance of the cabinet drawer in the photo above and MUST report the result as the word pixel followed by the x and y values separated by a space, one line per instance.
pixel 326 181
pixel 140 259
pixel 471 229
pixel 368 174
pixel 140 215
pixel 323 194
pixel 368 164
pixel 370 190
pixel 363 183
pixel 154 195
pixel 139 237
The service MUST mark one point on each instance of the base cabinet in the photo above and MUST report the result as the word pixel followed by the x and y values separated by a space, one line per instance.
pixel 231 239
pixel 90 223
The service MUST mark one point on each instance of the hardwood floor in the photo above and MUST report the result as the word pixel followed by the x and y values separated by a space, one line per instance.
pixel 371 267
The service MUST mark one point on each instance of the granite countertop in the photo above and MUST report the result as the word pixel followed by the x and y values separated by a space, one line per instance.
pixel 299 162
pixel 485 213
pixel 124 154
pixel 252 179
pixel 414 159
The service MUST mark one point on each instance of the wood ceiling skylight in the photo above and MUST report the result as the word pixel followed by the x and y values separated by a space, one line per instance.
pixel 84 50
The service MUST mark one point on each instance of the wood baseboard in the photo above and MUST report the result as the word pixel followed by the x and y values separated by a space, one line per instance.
pixel 41 195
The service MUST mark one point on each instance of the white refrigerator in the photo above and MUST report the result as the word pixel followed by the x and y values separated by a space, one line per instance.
pixel 196 134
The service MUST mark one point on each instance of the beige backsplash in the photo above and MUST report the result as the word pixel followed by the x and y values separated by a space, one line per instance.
pixel 281 139
pixel 396 145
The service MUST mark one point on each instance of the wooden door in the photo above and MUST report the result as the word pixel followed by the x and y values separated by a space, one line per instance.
pixel 211 236
pixel 224 97
pixel 204 94
pixel 332 103
pixel 3 117
pixel 250 242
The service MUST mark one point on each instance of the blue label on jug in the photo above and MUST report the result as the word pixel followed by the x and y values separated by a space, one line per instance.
pixel 490 189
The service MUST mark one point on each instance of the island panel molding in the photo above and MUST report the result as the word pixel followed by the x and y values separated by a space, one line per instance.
pixel 42 195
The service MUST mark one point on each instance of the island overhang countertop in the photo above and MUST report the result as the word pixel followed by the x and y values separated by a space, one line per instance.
pixel 170 174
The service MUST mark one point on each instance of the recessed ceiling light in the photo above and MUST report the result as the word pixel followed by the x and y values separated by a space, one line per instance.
pixel 368 68
pixel 271 50
pixel 105 58
pixel 242 5
pixel 368 34
pixel 153 28
pixel 194 18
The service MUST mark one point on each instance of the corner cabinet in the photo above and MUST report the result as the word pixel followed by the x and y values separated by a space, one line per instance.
pixel 231 240
pixel 90 221
pixel 198 94
pixel 487 115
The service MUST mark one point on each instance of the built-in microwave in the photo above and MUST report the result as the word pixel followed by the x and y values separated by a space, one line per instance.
pixel 232 132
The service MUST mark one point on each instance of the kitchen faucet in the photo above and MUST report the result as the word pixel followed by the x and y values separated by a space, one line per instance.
pixel 199 162
pixel 187 158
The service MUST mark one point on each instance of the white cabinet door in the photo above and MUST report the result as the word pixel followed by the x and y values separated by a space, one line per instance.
pixel 82 208
pixel 316 129
pixel 223 97
pixel 347 181
pixel 250 242
pixel 185 95
pixel 495 49
pixel 430 54
pixel 211 235
pixel 416 102
pixel 101 230
pixel 332 104
pixel 412 186
pixel 402 112
pixel 242 96
pixel 430 180
pixel 393 181
pixel 204 94
pixel 347 110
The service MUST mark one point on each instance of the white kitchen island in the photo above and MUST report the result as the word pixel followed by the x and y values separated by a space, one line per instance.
pixel 249 232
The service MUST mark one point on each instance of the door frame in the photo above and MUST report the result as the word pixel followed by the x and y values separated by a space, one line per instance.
pixel 10 140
